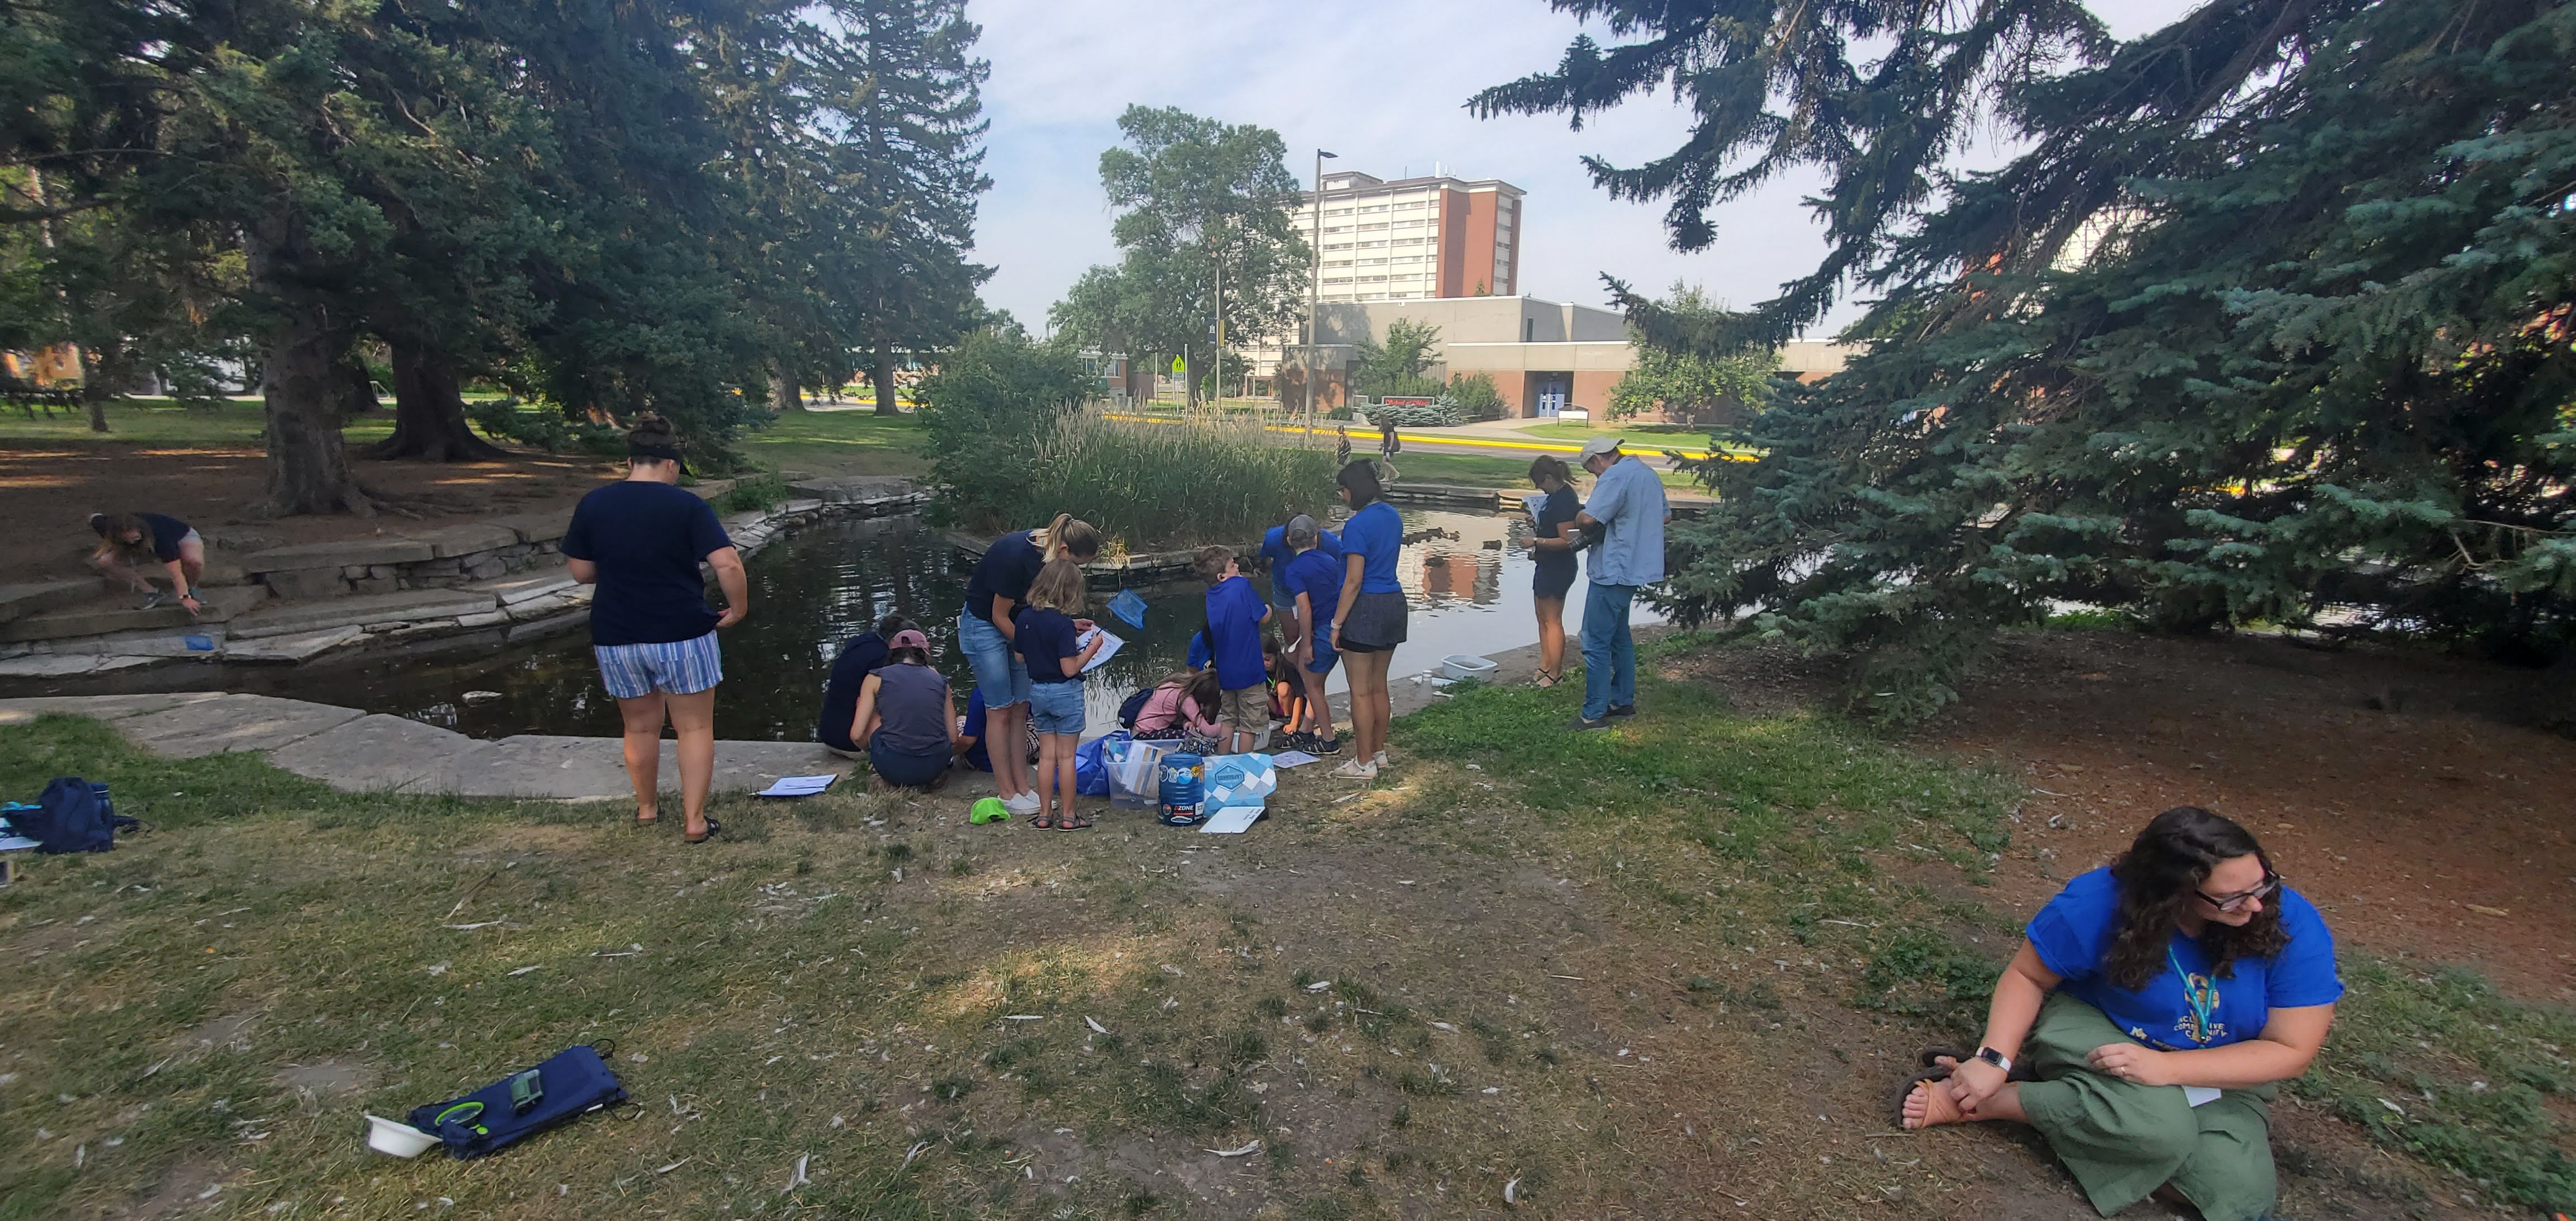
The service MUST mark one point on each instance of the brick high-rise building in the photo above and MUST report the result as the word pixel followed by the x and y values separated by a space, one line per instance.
pixel 1416 237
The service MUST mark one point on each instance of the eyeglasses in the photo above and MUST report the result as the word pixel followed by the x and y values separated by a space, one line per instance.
pixel 2229 903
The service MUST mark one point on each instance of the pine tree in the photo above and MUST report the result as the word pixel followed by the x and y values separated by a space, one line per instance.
pixel 2271 322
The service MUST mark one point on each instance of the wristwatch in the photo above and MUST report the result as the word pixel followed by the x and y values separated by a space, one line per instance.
pixel 1998 1059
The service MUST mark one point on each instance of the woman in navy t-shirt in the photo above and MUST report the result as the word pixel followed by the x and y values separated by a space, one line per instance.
pixel 1552 549
pixel 638 542
pixel 2147 1022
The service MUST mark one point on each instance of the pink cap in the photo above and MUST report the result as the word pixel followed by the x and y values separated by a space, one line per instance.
pixel 909 639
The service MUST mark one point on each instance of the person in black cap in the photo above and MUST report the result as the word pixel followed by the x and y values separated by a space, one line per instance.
pixel 639 541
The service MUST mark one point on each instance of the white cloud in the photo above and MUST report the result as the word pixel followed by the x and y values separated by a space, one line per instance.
pixel 1381 83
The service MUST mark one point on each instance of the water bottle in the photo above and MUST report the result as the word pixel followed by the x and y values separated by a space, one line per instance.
pixel 1183 785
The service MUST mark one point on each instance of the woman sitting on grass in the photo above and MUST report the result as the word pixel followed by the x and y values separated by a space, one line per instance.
pixel 2148 1020
pixel 906 720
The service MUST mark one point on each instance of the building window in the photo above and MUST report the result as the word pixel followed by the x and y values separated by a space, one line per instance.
pixel 1337 245
pixel 1337 262
pixel 1368 228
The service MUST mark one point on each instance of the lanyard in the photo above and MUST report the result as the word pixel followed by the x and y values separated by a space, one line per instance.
pixel 2203 999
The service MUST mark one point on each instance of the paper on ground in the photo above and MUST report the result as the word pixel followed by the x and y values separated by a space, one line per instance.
pixel 1293 758
pixel 17 842
pixel 2200 1095
pixel 1232 820
pixel 797 786
pixel 1109 646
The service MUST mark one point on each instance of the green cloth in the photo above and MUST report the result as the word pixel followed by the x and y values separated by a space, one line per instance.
pixel 2122 1140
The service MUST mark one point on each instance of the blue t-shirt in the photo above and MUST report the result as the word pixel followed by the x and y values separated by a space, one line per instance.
pixel 1234 611
pixel 1375 533
pixel 2075 930
pixel 859 658
pixel 1005 570
pixel 1199 652
pixel 1046 636
pixel 647 539
pixel 1319 577
pixel 1275 553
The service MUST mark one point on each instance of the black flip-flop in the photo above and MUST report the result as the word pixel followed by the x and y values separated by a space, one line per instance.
pixel 713 828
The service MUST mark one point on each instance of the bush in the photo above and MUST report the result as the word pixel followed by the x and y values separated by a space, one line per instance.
pixel 754 493
pixel 1440 413
pixel 1477 396
pixel 986 410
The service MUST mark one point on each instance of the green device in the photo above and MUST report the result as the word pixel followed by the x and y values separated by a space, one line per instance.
pixel 526 1092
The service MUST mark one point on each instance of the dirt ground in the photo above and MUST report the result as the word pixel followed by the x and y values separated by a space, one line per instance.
pixel 47 493
pixel 2435 831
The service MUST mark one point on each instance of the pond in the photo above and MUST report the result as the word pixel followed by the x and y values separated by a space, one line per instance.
pixel 831 581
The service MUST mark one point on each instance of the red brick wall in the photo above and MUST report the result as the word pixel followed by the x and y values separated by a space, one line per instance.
pixel 1479 269
pixel 1453 244
pixel 1591 389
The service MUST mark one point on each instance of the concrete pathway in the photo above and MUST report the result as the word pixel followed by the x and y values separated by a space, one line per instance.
pixel 358 752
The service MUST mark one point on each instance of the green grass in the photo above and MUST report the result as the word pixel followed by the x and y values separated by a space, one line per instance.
pixel 153 421
pixel 837 443
pixel 2438 1064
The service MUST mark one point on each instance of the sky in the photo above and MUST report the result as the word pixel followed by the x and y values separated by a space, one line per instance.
pixel 1383 83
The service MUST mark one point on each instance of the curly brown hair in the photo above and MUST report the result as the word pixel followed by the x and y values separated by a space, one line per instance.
pixel 2159 876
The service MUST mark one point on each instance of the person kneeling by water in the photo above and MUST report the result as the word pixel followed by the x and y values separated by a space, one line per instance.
pixel 905 717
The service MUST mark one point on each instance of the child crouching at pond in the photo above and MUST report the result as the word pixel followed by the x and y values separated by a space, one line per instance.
pixel 1048 638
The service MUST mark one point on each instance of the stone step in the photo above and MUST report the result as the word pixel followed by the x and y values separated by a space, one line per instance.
pixel 292 649
pixel 37 597
pixel 513 590
pixel 367 610
pixel 379 549
pixel 454 541
pixel 221 604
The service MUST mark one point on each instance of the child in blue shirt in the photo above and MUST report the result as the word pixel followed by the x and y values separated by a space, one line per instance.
pixel 1236 614
pixel 1313 581
pixel 1048 638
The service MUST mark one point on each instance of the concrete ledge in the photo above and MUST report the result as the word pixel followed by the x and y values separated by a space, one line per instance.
pixel 360 752
pixel 387 550
pixel 408 607
pixel 220 604
pixel 37 597
pixel 454 541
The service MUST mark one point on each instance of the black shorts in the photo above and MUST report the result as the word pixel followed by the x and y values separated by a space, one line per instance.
pixel 1376 624
pixel 1552 582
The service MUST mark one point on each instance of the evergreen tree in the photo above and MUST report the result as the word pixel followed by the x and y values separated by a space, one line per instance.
pixel 2271 322
pixel 904 112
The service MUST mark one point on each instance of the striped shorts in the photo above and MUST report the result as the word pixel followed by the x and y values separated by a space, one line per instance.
pixel 682 667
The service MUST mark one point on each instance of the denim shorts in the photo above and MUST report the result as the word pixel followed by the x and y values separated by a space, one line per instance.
pixel 1056 707
pixel 682 667
pixel 996 664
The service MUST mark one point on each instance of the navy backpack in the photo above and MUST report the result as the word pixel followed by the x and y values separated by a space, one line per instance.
pixel 577 1080
pixel 73 815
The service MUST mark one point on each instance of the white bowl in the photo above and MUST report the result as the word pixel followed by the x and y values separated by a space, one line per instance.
pixel 400 1139
pixel 1461 665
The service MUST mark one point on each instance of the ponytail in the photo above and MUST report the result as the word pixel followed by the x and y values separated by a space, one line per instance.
pixel 1066 536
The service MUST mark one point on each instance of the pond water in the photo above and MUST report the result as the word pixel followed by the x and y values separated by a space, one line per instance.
pixel 812 591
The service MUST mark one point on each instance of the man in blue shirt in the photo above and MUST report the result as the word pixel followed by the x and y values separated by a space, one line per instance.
pixel 1624 522
pixel 1275 555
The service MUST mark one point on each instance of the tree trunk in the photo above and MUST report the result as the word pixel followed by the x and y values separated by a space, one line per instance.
pixel 882 373
pixel 357 389
pixel 308 464
pixel 429 411
pixel 784 393
pixel 96 374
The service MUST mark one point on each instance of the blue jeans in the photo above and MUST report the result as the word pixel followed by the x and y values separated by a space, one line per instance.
pixel 997 666
pixel 1609 652
pixel 1056 707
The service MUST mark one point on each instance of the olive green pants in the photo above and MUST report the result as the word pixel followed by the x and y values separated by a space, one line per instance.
pixel 2122 1140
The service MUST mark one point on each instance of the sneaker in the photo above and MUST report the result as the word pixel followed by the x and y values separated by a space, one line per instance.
pixel 1023 805
pixel 1582 724
pixel 1326 746
pixel 1380 760
pixel 1623 710
pixel 153 599
pixel 1357 769
pixel 1297 741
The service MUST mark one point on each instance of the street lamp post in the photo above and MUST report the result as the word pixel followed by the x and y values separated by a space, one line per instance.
pixel 1315 299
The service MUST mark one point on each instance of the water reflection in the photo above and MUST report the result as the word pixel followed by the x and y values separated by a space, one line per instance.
pixel 1470 590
